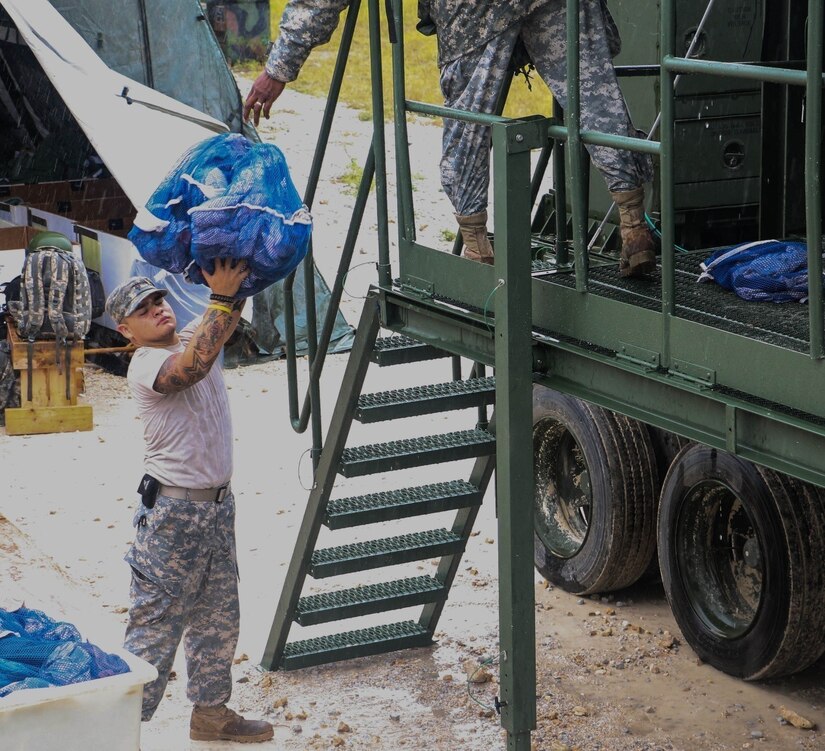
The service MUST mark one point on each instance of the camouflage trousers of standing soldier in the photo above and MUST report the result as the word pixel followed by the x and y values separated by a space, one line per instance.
pixel 473 83
pixel 185 585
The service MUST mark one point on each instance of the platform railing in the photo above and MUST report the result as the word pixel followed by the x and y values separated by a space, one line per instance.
pixel 812 80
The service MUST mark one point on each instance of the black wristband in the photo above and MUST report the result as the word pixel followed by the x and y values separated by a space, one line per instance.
pixel 222 298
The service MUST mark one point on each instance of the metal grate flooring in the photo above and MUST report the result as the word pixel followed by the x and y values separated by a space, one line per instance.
pixel 782 324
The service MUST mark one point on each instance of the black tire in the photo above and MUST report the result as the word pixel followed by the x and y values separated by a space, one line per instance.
pixel 666 446
pixel 595 480
pixel 740 551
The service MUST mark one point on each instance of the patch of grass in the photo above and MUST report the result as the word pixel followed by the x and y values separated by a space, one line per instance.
pixel 421 70
pixel 447 235
pixel 351 177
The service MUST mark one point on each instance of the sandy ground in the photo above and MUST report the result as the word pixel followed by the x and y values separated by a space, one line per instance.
pixel 613 673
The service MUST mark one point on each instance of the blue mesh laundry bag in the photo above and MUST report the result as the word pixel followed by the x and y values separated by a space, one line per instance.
pixel 226 198
pixel 37 651
pixel 163 237
pixel 35 623
pixel 68 663
pixel 768 270
pixel 13 670
pixel 23 649
pixel 21 684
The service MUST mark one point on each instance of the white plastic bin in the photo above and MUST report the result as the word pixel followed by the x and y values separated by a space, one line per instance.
pixel 98 715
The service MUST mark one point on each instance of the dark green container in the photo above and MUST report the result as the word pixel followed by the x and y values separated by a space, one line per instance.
pixel 242 28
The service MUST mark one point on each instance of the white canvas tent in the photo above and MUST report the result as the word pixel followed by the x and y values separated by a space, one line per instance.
pixel 138 132
pixel 90 108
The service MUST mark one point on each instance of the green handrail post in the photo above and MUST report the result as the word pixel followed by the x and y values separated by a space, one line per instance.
pixel 667 176
pixel 560 190
pixel 379 145
pixel 406 209
pixel 813 166
pixel 514 465
pixel 313 393
pixel 574 146
pixel 299 422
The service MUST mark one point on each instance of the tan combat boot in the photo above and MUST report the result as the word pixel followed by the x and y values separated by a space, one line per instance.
pixel 222 724
pixel 477 245
pixel 638 256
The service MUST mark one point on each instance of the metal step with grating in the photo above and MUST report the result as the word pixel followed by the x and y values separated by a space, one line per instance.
pixel 391 544
pixel 402 350
pixel 368 641
pixel 366 600
pixel 424 400
pixel 387 551
pixel 416 452
pixel 401 504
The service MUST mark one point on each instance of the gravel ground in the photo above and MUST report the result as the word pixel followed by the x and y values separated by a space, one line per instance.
pixel 612 673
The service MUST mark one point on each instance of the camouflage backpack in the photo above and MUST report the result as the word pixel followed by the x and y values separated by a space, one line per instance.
pixel 55 299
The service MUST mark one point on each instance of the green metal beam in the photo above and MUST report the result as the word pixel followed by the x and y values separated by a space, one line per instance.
pixel 786 443
pixel 378 144
pixel 575 149
pixel 813 172
pixel 438 324
pixel 737 70
pixel 514 406
pixel 613 325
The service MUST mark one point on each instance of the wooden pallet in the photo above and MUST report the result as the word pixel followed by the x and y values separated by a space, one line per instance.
pixel 53 407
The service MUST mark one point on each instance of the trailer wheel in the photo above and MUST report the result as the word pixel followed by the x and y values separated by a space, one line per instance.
pixel 740 551
pixel 666 446
pixel 595 483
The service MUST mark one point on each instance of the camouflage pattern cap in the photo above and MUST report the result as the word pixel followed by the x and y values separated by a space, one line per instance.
pixel 127 297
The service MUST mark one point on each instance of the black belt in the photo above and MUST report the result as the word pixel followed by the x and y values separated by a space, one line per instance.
pixel 216 495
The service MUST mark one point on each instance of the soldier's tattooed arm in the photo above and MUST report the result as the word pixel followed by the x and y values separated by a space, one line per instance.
pixel 182 370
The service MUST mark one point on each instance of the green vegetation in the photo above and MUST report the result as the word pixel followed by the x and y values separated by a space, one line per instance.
pixel 447 235
pixel 420 64
pixel 351 177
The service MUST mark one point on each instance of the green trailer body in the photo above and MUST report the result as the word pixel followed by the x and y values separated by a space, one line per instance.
pixel 715 402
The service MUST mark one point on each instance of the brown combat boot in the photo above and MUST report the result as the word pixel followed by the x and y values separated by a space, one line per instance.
pixel 477 245
pixel 638 255
pixel 222 724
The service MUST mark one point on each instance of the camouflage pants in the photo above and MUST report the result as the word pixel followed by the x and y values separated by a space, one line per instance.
pixel 185 585
pixel 473 83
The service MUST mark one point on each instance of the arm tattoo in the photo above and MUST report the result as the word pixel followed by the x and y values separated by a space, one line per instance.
pixel 185 369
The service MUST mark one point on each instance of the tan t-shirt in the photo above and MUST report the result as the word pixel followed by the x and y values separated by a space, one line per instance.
pixel 188 434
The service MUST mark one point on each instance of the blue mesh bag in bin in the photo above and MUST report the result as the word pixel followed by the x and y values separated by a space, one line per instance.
pixel 37 651
pixel 226 198
pixel 767 270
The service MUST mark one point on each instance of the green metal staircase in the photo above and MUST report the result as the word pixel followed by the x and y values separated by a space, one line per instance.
pixel 381 509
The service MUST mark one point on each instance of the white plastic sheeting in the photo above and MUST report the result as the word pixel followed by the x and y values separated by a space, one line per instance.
pixel 138 132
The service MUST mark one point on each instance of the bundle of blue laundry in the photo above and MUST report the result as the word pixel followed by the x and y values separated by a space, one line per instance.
pixel 772 270
pixel 226 198
pixel 38 652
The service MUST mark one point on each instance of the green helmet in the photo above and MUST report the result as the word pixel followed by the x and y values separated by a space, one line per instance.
pixel 49 239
